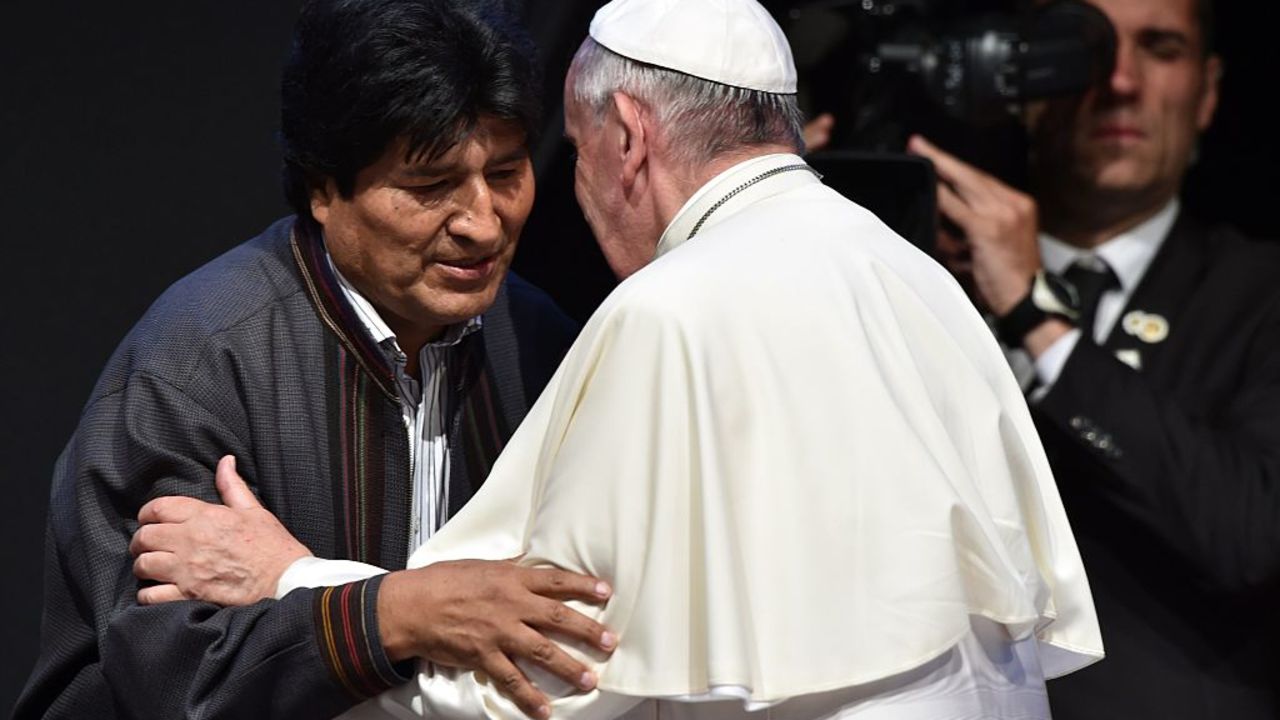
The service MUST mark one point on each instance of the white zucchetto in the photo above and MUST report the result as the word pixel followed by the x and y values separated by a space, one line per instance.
pixel 734 42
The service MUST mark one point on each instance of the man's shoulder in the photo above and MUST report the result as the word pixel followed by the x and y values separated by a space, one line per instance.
pixel 1233 247
pixel 222 297
pixel 1237 264
pixel 230 288
pixel 809 238
pixel 249 274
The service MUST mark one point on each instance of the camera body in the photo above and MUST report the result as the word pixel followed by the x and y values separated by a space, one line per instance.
pixel 975 65
pixel 957 71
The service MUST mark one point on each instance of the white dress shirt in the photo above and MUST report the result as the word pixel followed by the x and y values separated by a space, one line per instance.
pixel 1128 255
pixel 424 401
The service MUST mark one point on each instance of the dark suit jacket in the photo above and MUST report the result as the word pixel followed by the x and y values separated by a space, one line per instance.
pixel 1171 479
pixel 259 355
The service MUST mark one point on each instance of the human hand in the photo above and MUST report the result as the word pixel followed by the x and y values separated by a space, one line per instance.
pixel 1000 227
pixel 485 615
pixel 817 132
pixel 232 554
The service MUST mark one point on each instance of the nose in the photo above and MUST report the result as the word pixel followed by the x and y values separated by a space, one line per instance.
pixel 1126 76
pixel 474 217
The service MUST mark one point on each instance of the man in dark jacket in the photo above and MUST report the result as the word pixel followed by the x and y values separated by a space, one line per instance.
pixel 363 362
pixel 1155 378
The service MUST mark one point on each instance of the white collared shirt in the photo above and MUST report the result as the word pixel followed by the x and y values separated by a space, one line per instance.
pixel 424 403
pixel 1128 254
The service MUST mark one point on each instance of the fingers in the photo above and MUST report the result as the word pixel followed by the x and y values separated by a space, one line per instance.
pixel 565 585
pixel 233 490
pixel 817 132
pixel 966 181
pixel 941 160
pixel 554 617
pixel 532 647
pixel 950 241
pixel 169 509
pixel 948 166
pixel 155 537
pixel 555 585
pixel 159 566
pixel 512 683
pixel 956 181
pixel 157 594
pixel 952 206
pixel 954 253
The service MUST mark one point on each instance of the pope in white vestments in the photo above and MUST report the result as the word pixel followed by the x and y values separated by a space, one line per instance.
pixel 793 446
pixel 795 450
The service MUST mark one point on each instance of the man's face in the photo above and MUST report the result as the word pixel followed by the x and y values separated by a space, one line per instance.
pixel 1133 136
pixel 627 241
pixel 429 243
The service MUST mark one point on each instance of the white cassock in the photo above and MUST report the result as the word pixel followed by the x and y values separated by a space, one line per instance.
pixel 795 450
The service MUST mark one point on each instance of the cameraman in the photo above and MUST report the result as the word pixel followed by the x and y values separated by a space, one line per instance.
pixel 1157 381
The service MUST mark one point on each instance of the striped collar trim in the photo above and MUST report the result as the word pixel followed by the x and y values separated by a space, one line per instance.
pixel 334 309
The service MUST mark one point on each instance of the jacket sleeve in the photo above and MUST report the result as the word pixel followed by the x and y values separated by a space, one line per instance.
pixel 1206 482
pixel 313 653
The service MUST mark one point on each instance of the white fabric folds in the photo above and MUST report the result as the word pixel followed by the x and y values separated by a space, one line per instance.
pixel 797 453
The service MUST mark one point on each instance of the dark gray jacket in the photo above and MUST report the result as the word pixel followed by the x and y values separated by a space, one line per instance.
pixel 257 354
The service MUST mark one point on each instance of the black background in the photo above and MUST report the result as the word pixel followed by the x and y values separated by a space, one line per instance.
pixel 137 142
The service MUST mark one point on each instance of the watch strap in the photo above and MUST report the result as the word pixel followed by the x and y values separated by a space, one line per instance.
pixel 1049 296
pixel 1013 326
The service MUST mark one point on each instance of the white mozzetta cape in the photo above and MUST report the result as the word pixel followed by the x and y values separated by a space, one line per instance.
pixel 795 450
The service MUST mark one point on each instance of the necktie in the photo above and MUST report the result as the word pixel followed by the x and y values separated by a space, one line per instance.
pixel 1091 277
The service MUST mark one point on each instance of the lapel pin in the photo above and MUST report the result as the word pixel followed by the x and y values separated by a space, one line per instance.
pixel 1132 358
pixel 1147 327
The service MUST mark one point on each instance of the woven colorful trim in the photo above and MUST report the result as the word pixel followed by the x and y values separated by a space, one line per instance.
pixel 360 493
pixel 326 295
pixel 347 633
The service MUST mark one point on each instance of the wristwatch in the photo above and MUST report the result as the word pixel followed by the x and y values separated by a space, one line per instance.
pixel 1050 296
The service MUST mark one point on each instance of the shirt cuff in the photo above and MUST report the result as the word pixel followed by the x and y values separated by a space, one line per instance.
pixel 346 623
pixel 312 572
pixel 1050 363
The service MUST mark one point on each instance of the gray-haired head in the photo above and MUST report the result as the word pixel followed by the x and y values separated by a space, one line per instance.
pixel 701 119
pixel 716 74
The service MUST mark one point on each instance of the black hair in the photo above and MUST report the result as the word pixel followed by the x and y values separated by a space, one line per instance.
pixel 363 73
pixel 1208 30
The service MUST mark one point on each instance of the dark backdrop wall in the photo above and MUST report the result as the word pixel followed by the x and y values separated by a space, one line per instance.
pixel 137 142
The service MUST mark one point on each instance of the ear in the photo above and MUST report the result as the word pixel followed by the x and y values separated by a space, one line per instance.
pixel 635 139
pixel 323 196
pixel 1209 96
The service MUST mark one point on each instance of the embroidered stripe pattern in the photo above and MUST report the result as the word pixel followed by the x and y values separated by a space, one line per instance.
pixel 361 489
pixel 322 287
pixel 359 478
pixel 347 636
pixel 347 473
pixel 364 393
